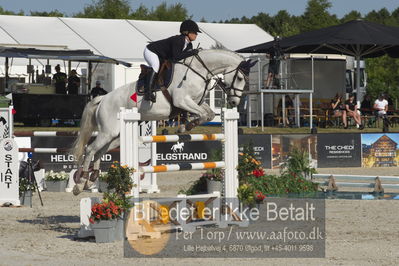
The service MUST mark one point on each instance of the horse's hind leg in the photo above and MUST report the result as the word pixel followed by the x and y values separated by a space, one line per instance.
pixel 97 159
pixel 91 150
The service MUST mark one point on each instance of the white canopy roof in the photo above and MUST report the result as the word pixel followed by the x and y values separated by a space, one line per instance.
pixel 119 39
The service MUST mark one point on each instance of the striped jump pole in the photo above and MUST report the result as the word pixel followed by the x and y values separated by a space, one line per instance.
pixel 49 134
pixel 181 167
pixel 53 150
pixel 181 138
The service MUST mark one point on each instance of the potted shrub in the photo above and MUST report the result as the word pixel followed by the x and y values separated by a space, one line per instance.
pixel 56 181
pixel 213 180
pixel 103 219
pixel 26 188
pixel 120 184
pixel 214 177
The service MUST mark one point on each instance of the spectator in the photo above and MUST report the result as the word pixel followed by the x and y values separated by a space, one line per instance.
pixel 351 110
pixel 274 63
pixel 73 83
pixel 97 90
pixel 338 107
pixel 366 106
pixel 381 106
pixel 59 80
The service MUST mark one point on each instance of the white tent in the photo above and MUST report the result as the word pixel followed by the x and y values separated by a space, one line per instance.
pixel 120 39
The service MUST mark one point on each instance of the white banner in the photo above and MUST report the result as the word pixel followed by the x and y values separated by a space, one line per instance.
pixel 9 166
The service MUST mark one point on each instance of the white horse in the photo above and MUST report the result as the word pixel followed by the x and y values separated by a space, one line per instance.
pixel 187 90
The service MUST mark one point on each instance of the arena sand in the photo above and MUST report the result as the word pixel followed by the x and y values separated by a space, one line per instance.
pixel 359 232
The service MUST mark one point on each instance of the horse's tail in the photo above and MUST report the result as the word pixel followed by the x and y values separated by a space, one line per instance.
pixel 87 126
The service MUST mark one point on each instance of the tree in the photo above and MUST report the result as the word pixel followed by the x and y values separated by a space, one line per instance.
pixel 163 12
pixel 6 12
pixel 108 9
pixel 316 16
pixel 351 16
pixel 54 13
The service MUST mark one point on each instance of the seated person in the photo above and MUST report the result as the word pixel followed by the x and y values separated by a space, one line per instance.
pixel 338 107
pixel 97 90
pixel 381 106
pixel 366 106
pixel 351 110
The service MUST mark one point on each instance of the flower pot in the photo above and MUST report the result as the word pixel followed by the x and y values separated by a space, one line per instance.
pixel 104 231
pixel 214 186
pixel 56 185
pixel 119 229
pixel 26 198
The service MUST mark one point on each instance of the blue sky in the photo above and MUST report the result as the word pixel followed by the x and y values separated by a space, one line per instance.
pixel 211 10
pixel 371 138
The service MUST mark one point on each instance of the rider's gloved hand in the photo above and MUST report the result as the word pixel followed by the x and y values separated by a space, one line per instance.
pixel 195 51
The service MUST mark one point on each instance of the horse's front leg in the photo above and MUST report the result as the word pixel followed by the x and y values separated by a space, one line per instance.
pixel 189 105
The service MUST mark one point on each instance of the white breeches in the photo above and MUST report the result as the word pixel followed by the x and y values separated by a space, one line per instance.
pixel 152 59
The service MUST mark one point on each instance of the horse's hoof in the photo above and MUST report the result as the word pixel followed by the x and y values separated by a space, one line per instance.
pixel 78 188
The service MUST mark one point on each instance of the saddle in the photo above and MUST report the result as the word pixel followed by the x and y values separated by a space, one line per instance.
pixel 163 81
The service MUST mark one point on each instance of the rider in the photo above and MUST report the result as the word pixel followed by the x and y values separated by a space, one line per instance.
pixel 174 48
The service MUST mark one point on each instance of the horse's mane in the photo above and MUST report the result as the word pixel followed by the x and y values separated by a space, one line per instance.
pixel 222 50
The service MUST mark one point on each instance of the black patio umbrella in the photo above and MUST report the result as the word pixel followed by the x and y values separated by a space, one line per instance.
pixel 358 38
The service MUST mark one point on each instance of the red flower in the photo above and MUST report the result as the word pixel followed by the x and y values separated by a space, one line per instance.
pixel 91 220
pixel 258 172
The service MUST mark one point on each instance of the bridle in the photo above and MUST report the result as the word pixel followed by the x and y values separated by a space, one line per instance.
pixel 219 82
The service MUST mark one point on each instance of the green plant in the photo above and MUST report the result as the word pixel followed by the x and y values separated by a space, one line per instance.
pixel 122 201
pixel 119 178
pixel 56 176
pixel 26 185
pixel 197 187
pixel 103 176
pixel 298 162
pixel 246 194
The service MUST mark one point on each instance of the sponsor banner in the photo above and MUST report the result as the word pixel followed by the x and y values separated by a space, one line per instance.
pixel 63 161
pixel 380 150
pixel 261 145
pixel 282 145
pixel 9 164
pixel 339 150
pixel 187 152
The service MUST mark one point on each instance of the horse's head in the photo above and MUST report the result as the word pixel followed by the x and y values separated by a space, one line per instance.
pixel 236 80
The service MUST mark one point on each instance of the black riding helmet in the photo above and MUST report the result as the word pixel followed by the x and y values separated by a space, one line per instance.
pixel 190 26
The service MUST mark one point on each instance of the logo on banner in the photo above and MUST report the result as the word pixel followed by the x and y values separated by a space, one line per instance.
pixel 178 147
pixel 8 145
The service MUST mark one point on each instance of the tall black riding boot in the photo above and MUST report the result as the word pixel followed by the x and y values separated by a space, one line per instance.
pixel 150 95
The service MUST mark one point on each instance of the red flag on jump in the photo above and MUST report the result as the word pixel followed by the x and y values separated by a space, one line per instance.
pixel 134 97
